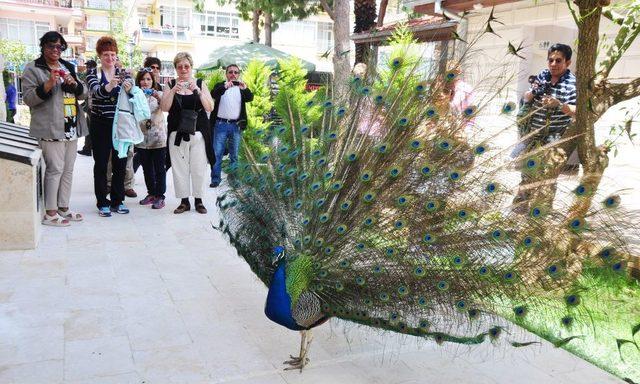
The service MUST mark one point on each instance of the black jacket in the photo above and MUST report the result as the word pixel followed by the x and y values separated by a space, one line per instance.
pixel 217 92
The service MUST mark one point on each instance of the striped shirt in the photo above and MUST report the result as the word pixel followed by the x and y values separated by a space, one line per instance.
pixel 103 103
pixel 552 120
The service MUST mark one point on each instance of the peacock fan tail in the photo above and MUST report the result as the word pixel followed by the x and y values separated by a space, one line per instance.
pixel 397 212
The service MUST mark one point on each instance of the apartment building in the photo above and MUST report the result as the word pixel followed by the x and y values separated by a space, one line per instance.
pixel 27 20
pixel 164 27
pixel 100 18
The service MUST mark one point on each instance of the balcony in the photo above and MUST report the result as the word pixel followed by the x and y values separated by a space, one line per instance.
pixel 45 3
pixel 73 39
pixel 102 4
pixel 165 33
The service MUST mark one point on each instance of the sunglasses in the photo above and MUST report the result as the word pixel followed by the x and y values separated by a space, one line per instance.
pixel 233 72
pixel 57 47
pixel 154 67
pixel 146 69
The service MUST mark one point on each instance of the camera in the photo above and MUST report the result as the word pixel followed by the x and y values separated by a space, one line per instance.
pixel 61 72
pixel 542 88
pixel 148 91
pixel 236 82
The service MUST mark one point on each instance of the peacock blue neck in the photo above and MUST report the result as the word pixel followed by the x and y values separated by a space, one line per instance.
pixel 278 305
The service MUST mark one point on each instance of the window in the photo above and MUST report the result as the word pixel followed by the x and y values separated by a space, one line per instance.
pixel 26 31
pixel 168 17
pixel 325 37
pixel 142 17
pixel 90 42
pixel 98 23
pixel 220 24
pixel 306 33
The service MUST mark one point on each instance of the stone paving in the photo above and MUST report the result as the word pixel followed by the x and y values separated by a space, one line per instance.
pixel 153 297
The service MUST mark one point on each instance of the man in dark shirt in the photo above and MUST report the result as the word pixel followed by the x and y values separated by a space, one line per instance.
pixel 229 117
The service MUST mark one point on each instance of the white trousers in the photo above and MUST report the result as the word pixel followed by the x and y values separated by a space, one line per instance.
pixel 189 164
pixel 59 158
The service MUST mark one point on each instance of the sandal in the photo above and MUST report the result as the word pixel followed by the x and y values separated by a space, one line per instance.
pixel 70 215
pixel 200 208
pixel 182 208
pixel 55 221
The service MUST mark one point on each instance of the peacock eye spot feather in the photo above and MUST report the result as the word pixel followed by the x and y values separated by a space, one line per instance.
pixel 393 316
pixel 320 202
pixel 324 218
pixel 394 172
pixel 389 251
pixel 328 250
pixel 462 214
pixel 336 186
pixel 366 176
pixel 339 286
pixel 341 111
pixel 473 313
pixel 360 246
pixel 508 277
pixel 450 76
pixel 531 163
pixel 379 99
pixel 306 221
pixel 402 200
pixel 318 242
pixel 442 285
pixel 365 91
pixel 288 192
pixel 461 305
pixel 419 271
pixel 399 224
pixel 428 238
pixel 345 205
pixel 567 321
pixel 328 175
pixel 483 271
pixel 332 136
pixel 309 103
pixel 383 296
pixel 327 104
pixel 376 269
pixel 430 112
pixel 494 332
pixel 552 269
pixel 527 241
pixel 323 273
pixel 580 190
pixel 480 149
pixel 368 221
pixel 422 301
pixel 352 157
pixel 314 187
pixel 509 107
pixel 426 170
pixel 497 234
pixel 304 129
pixel 344 263
pixel 470 111
pixel 316 153
pixel 360 280
pixel 520 311
pixel 403 121
pixel 444 145
pixel 607 253
pixel 424 324
pixel 403 291
pixel 572 300
pixel 341 229
pixel 617 267
pixel 415 144
pixel 454 176
pixel 612 201
pixel 420 88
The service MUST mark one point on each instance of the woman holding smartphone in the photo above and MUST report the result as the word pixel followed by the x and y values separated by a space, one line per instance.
pixel 187 102
pixel 104 87
pixel 51 89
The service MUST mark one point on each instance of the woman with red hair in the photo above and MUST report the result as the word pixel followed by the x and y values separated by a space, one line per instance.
pixel 104 86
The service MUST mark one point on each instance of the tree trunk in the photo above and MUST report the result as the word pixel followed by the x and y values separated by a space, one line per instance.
pixel 382 13
pixel 342 47
pixel 365 19
pixel 255 21
pixel 267 28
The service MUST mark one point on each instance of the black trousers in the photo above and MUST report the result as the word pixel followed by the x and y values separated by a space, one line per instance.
pixel 100 131
pixel 153 166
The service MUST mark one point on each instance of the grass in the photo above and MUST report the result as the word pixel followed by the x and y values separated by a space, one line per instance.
pixel 611 306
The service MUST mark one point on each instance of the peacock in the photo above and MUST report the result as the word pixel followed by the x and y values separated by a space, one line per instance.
pixel 391 208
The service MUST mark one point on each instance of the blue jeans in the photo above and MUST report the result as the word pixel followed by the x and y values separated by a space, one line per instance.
pixel 225 135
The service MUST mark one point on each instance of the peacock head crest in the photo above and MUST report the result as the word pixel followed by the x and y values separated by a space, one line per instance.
pixel 278 254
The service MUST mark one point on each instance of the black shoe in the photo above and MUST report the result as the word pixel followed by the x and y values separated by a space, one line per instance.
pixel 213 185
pixel 85 152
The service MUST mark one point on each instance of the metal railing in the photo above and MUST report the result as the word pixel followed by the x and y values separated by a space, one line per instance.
pixel 50 3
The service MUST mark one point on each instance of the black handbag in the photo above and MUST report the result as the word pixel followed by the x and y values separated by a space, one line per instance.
pixel 188 119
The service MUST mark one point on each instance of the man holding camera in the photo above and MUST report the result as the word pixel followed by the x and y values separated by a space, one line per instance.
pixel 229 117
pixel 552 96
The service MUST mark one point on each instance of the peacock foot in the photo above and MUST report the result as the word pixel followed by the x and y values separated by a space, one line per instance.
pixel 296 362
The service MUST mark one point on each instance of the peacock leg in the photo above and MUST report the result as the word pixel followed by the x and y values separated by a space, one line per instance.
pixel 301 361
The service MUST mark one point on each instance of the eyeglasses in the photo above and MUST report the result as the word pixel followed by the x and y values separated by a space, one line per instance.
pixel 233 72
pixel 57 47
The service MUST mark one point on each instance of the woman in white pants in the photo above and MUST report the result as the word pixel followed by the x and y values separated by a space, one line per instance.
pixel 188 102
pixel 51 89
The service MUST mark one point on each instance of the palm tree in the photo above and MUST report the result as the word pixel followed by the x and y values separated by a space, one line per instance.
pixel 365 19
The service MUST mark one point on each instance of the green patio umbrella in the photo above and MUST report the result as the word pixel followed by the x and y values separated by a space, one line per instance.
pixel 243 53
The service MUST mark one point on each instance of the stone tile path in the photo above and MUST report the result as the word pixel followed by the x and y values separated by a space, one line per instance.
pixel 154 297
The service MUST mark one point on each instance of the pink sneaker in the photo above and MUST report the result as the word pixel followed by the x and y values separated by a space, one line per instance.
pixel 158 203
pixel 148 200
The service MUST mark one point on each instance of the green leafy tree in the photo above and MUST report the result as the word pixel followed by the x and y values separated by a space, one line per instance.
pixel 15 54
pixel 268 13
pixel 256 76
